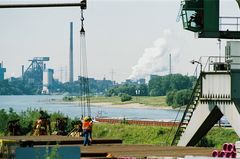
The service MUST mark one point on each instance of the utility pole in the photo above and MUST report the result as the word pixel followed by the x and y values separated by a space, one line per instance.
pixel 112 75
pixel 170 64
pixel 61 74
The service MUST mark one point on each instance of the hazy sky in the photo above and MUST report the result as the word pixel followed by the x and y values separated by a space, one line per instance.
pixel 132 37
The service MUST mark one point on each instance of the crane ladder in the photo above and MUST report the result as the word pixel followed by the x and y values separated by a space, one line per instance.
pixel 188 111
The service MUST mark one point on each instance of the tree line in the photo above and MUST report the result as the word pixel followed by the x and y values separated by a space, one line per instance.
pixel 17 86
pixel 176 87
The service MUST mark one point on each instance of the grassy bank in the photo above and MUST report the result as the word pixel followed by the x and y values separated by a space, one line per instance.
pixel 218 136
pixel 116 100
pixel 136 134
pixel 132 134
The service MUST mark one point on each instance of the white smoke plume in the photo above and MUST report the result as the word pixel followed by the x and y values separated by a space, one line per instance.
pixel 155 60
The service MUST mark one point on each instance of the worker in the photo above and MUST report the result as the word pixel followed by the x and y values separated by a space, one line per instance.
pixel 42 125
pixel 197 18
pixel 87 129
pixel 90 130
pixel 77 130
pixel 60 126
pixel 14 128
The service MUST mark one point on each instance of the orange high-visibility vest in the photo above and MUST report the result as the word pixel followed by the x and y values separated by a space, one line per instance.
pixel 86 125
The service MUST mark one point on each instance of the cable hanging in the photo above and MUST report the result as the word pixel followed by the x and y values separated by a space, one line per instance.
pixel 84 81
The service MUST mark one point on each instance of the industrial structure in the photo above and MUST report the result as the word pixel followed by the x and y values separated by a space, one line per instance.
pixel 71 54
pixel 47 81
pixel 84 80
pixel 202 17
pixel 217 91
pixel 38 75
pixel 2 71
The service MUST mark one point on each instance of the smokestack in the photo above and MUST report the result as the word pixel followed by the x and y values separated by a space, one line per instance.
pixel 22 70
pixel 71 54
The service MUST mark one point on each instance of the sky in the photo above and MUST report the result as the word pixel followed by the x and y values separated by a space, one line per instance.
pixel 132 38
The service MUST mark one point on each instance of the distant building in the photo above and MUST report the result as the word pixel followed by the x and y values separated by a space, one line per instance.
pixel 153 76
pixel 128 81
pixel 47 81
pixel 34 73
pixel 141 81
pixel 2 71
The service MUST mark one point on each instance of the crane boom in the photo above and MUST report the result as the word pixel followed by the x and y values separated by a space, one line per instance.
pixel 82 4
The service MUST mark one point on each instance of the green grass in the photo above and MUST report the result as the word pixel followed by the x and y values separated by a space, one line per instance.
pixel 153 101
pixel 219 136
pixel 116 100
pixel 146 100
pixel 132 134
pixel 137 134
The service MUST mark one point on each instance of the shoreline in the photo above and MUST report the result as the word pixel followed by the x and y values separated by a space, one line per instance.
pixel 131 105
pixel 110 105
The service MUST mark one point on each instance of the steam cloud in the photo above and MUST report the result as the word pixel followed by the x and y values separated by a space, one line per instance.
pixel 155 60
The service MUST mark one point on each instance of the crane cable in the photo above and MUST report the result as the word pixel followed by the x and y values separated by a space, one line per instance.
pixel 84 81
pixel 172 128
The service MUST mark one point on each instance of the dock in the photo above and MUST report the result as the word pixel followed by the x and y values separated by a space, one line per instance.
pixel 101 148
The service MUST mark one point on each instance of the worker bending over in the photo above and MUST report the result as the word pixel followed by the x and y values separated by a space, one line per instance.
pixel 87 131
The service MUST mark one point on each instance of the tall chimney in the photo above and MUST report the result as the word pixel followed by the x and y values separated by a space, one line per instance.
pixel 22 70
pixel 71 54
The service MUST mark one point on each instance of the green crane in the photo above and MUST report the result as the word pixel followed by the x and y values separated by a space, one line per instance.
pixel 202 17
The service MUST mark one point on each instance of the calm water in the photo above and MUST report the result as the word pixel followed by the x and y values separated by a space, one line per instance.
pixel 45 102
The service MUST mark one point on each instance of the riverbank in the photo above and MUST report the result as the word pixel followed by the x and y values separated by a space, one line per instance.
pixel 111 105
pixel 131 105
pixel 144 102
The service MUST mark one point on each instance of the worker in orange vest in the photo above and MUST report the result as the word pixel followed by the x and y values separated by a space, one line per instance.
pixel 87 130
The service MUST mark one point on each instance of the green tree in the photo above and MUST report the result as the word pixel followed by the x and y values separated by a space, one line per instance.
pixel 170 97
pixel 161 85
pixel 125 97
pixel 178 98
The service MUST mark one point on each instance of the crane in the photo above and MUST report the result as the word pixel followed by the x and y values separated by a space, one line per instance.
pixel 202 17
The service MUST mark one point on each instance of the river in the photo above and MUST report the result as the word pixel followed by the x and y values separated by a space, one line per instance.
pixel 47 102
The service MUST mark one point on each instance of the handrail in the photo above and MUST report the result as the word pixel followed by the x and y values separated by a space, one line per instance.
pixel 186 110
pixel 229 23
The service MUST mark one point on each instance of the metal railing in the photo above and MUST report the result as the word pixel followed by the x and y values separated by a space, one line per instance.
pixel 229 23
pixel 216 63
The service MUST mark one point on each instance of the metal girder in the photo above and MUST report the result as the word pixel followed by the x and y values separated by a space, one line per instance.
pixel 81 4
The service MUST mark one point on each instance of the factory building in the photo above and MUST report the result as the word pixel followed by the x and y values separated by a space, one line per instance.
pixel 47 81
pixel 2 71
pixel 38 75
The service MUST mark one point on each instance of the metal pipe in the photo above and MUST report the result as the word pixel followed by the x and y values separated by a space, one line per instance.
pixel 40 5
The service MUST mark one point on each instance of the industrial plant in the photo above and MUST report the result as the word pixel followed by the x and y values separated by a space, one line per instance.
pixel 38 75
pixel 2 71
pixel 210 95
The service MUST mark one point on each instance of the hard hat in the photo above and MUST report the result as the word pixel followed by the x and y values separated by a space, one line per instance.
pixel 86 118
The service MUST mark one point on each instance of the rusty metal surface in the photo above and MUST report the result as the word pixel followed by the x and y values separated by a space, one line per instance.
pixel 61 140
pixel 118 150
pixel 141 151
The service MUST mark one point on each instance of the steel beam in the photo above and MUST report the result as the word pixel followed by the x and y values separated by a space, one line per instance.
pixel 40 5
